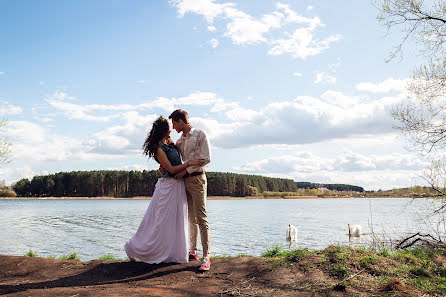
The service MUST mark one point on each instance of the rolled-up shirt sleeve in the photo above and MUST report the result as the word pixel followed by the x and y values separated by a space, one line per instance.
pixel 203 151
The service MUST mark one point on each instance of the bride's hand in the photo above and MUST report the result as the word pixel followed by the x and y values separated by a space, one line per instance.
pixel 197 162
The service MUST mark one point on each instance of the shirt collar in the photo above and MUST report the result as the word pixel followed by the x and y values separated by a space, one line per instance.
pixel 191 132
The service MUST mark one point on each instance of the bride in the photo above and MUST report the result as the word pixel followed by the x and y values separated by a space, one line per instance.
pixel 161 236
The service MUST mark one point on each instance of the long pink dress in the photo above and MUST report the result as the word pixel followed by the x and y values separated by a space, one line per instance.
pixel 161 236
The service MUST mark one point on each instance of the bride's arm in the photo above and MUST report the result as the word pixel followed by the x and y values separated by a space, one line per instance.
pixel 164 161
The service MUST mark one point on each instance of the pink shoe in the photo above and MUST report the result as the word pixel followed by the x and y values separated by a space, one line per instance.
pixel 193 257
pixel 205 264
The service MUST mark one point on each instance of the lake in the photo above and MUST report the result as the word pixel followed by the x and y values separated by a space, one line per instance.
pixel 93 228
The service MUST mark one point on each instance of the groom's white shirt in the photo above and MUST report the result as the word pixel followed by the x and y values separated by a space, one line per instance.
pixel 195 145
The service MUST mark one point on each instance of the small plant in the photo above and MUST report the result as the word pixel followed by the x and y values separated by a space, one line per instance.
pixel 384 253
pixel 420 272
pixel 72 256
pixel 367 260
pixel 440 271
pixel 339 270
pixel 32 254
pixel 423 284
pixel 108 257
pixel 272 252
pixel 295 255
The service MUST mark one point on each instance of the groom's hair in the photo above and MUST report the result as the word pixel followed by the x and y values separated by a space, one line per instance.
pixel 180 114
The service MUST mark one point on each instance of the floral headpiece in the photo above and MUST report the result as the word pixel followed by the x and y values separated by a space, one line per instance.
pixel 159 120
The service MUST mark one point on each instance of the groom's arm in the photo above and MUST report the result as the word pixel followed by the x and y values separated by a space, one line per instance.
pixel 204 153
pixel 180 174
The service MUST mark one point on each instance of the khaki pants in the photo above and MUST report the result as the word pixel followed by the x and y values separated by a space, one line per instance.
pixel 196 191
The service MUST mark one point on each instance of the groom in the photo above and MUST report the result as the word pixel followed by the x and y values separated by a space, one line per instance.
pixel 194 144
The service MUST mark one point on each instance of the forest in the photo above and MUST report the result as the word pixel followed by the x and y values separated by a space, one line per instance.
pixel 125 184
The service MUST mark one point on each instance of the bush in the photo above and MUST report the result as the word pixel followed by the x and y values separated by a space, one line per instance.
pixel 7 193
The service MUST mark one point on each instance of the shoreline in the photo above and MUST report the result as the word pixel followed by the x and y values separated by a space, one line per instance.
pixel 333 271
pixel 209 198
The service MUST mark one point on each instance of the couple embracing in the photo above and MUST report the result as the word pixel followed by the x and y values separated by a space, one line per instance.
pixel 179 200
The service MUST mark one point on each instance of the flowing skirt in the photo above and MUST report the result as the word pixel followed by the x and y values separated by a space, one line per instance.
pixel 161 236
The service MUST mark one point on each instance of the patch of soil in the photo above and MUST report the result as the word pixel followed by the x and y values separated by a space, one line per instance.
pixel 242 276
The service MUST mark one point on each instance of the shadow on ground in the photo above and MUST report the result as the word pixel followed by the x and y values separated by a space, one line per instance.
pixel 103 274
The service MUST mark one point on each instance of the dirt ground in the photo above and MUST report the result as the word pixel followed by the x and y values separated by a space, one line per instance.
pixel 239 276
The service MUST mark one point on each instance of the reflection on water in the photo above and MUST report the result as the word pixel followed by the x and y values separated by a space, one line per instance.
pixel 93 228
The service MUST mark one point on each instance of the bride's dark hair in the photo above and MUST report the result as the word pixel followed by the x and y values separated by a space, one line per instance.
pixel 160 129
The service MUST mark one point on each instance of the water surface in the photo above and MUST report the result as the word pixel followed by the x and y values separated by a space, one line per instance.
pixel 93 228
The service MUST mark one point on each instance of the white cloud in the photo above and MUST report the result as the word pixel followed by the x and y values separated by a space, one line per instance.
pixel 298 74
pixel 24 132
pixel 387 85
pixel 16 173
pixel 322 77
pixel 371 171
pixel 85 112
pixel 310 7
pixel 1 73
pixel 213 42
pixel 122 139
pixel 9 109
pixel 308 120
pixel 272 28
pixel 338 98
pixel 345 162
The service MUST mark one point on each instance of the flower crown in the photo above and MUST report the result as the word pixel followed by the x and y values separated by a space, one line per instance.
pixel 159 120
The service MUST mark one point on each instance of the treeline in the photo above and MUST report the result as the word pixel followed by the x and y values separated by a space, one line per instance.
pixel 331 187
pixel 122 184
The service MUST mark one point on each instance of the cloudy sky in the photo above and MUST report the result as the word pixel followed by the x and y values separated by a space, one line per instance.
pixel 297 89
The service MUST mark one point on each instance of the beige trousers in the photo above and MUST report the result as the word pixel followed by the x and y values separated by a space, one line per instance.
pixel 196 191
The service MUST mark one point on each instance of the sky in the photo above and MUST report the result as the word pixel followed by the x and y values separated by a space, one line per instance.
pixel 293 89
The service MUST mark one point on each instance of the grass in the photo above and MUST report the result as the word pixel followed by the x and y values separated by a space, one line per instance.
pixel 31 254
pixel 72 256
pixel 418 269
pixel 109 257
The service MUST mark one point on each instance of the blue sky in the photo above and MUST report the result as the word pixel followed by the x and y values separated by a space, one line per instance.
pixel 296 89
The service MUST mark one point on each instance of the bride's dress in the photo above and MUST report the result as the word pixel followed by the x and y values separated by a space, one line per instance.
pixel 161 236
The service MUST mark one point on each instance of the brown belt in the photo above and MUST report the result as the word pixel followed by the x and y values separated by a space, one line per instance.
pixel 194 174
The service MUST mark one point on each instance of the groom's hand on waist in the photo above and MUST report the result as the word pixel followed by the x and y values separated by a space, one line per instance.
pixel 180 174
pixel 161 169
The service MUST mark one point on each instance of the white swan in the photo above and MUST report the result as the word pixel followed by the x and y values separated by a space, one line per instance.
pixel 291 233
pixel 354 230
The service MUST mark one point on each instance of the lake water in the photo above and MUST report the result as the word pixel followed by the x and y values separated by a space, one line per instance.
pixel 93 228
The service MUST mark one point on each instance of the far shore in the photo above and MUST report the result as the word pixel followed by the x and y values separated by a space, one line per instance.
pixel 209 198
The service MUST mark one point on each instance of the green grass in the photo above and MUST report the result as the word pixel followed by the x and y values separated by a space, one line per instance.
pixel 72 256
pixel 30 253
pixel 366 261
pixel 273 252
pixel 109 257
pixel 339 270
pixel 293 255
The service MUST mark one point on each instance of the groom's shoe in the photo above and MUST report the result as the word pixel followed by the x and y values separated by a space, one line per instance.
pixel 193 256
pixel 205 264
